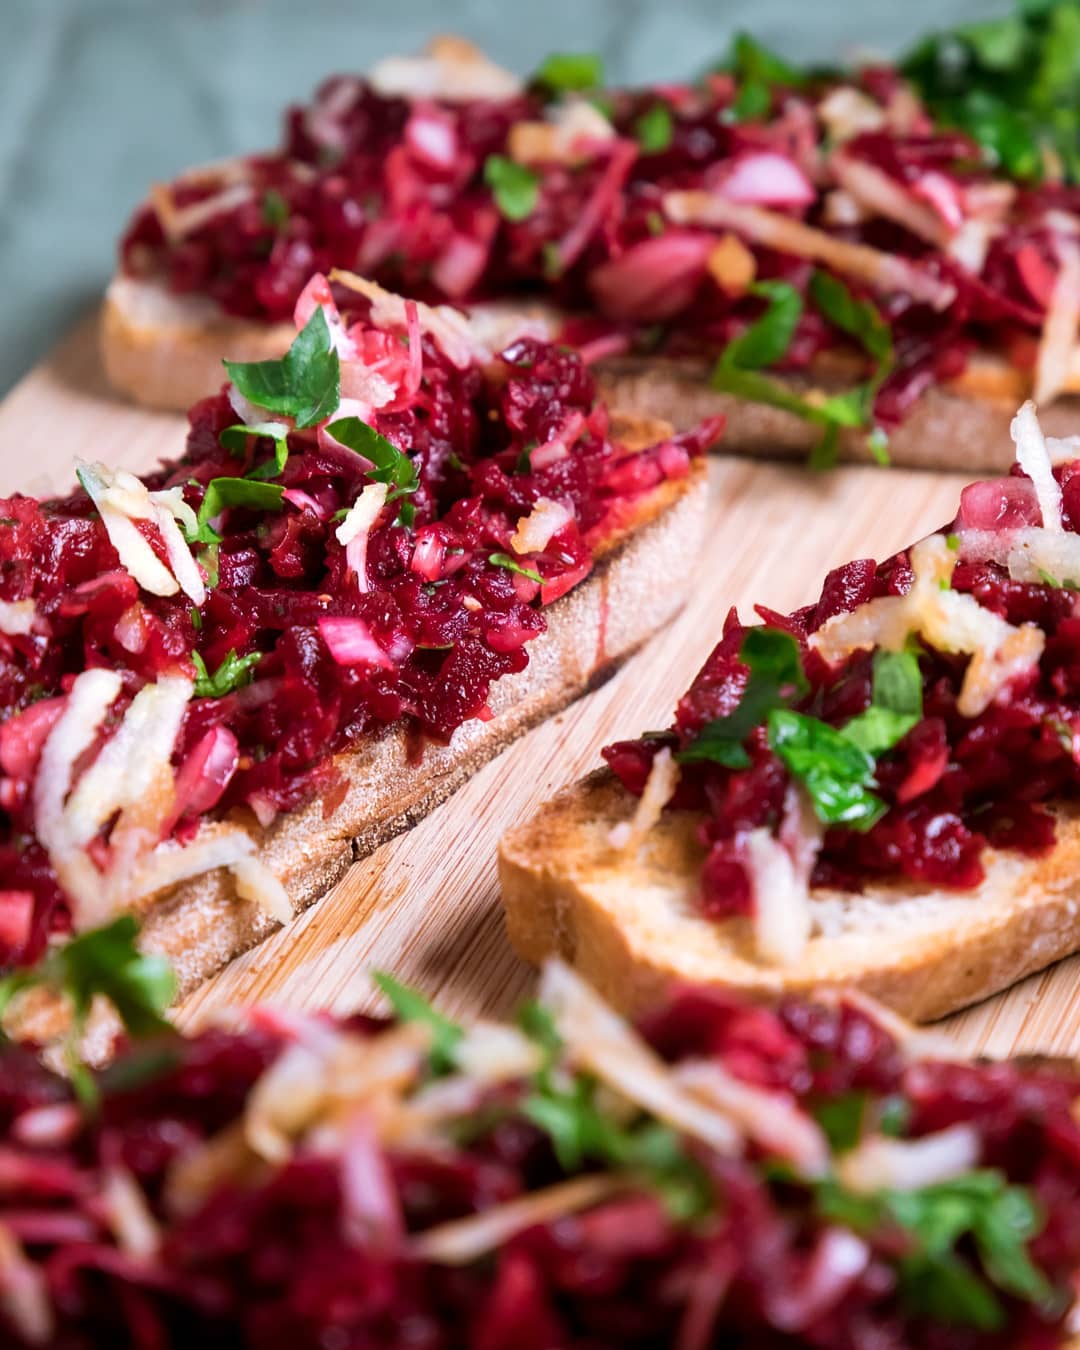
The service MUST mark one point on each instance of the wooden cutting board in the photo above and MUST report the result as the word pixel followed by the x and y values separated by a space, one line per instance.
pixel 426 905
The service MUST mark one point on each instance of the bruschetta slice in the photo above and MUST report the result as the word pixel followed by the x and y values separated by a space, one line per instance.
pixel 721 1175
pixel 379 560
pixel 878 790
pixel 813 257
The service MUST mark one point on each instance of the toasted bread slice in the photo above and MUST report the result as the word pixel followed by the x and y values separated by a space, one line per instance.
pixel 961 425
pixel 386 785
pixel 631 925
pixel 165 351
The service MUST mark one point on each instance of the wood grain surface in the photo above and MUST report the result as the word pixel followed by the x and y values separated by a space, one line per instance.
pixel 426 905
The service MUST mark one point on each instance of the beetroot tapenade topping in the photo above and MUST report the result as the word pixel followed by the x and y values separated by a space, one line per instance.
pixel 727 1176
pixel 875 243
pixel 364 533
pixel 924 709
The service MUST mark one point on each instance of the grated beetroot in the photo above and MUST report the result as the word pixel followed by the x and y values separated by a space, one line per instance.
pixel 954 784
pixel 269 1260
pixel 440 621
pixel 362 182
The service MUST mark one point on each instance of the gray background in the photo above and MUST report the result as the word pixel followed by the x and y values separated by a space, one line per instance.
pixel 100 97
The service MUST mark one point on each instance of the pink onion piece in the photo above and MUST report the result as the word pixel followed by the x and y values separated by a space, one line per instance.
pixel 16 919
pixel 654 279
pixel 303 501
pixel 416 352
pixel 205 774
pixel 23 736
pixel 432 137
pixel 428 554
pixel 371 1209
pixel 351 643
pixel 765 178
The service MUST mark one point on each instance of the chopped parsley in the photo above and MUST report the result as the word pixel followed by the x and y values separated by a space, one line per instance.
pixel 103 962
pixel 504 561
pixel 304 385
pixel 514 187
pixel 233 673
pixel 570 72
pixel 654 129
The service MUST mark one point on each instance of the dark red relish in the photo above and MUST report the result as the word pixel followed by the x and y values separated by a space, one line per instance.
pixel 444 619
pixel 397 190
pixel 953 785
pixel 274 1258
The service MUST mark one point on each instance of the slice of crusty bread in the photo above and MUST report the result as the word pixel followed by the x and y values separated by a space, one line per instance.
pixel 639 583
pixel 631 925
pixel 964 425
pixel 165 351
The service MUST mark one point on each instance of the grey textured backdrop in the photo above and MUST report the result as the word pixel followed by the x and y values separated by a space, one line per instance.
pixel 99 97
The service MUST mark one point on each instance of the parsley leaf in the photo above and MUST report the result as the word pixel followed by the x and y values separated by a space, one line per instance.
pixel 581 1133
pixel 841 1119
pixel 514 186
pixel 776 676
pixel 392 466
pixel 504 561
pixel 1013 84
pixel 233 672
pixel 1000 1220
pixel 304 385
pixel 411 1006
pixel 103 961
pixel 275 209
pixel 751 60
pixel 567 72
pixel 224 492
pixel 235 440
pixel 835 772
pixel 654 129
pixel 768 338
pixel 895 704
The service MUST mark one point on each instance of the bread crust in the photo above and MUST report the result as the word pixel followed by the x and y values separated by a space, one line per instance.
pixel 166 351
pixel 948 428
pixel 632 927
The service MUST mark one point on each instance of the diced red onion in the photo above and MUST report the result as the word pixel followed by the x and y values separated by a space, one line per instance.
pixel 206 773
pixel 351 643
pixel 654 279
pixel 23 736
pixel 765 178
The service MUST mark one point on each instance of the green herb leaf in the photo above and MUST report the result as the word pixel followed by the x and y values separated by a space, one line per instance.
pixel 567 72
pixel 752 102
pixel 654 129
pixel 999 1219
pixel 841 1118
pixel 514 186
pixel 858 318
pixel 836 773
pixel 392 466
pixel 751 60
pixel 304 385
pixel 776 677
pixel 505 561
pixel 233 672
pixel 581 1133
pixel 1012 84
pixel 411 1006
pixel 275 209
pixel 895 704
pixel 101 962
pixel 224 492
pixel 235 440
pixel 768 338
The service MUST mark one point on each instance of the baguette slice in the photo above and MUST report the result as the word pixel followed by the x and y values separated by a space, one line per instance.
pixel 639 582
pixel 631 926
pixel 165 351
